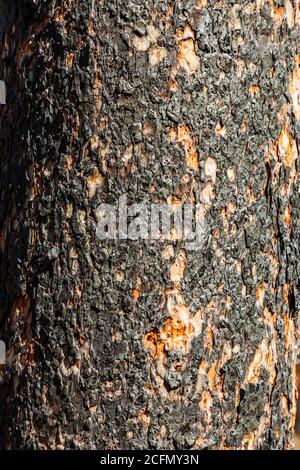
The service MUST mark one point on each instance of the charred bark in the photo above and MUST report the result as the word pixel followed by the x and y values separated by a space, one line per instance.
pixel 132 344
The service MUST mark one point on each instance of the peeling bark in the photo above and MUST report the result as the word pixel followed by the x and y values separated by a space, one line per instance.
pixel 137 344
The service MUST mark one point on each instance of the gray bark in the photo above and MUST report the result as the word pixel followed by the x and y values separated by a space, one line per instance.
pixel 132 344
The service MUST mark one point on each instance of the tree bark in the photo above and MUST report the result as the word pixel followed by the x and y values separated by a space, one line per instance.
pixel 136 344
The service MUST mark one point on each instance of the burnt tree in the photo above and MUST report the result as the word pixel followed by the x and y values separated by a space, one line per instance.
pixel 144 344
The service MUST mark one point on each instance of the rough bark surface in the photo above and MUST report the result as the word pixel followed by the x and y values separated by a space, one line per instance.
pixel 117 345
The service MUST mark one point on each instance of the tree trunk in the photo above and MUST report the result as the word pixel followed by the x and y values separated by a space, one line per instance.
pixel 140 344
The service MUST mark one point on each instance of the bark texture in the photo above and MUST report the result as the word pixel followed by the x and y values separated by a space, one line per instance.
pixel 117 345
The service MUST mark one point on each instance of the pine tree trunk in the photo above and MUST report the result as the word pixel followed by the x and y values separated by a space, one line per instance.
pixel 140 344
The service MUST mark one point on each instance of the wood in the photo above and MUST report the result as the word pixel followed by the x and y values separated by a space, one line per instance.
pixel 136 344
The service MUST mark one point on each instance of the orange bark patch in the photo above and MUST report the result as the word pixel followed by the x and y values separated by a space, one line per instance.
pixel 187 58
pixel 265 356
pixel 254 90
pixel 220 130
pixel 210 169
pixel 138 289
pixel 156 55
pixel 287 218
pixel 209 339
pixel 154 344
pixel 70 60
pixel 284 152
pixel 207 195
pixel 211 375
pixel 127 154
pixel 206 404
pixel 287 148
pixel 168 252
pixel 183 135
pixel 289 330
pixel 290 13
pixel 144 417
pixel 260 296
pixel 94 182
pixel 70 161
pixel 180 327
pixel 142 44
pixel 294 88
pixel 174 334
pixel 178 267
pixel 173 85
pixel 231 174
pixel 240 66
pixel 201 4
pixel 20 308
pixel 278 13
pixel 136 293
